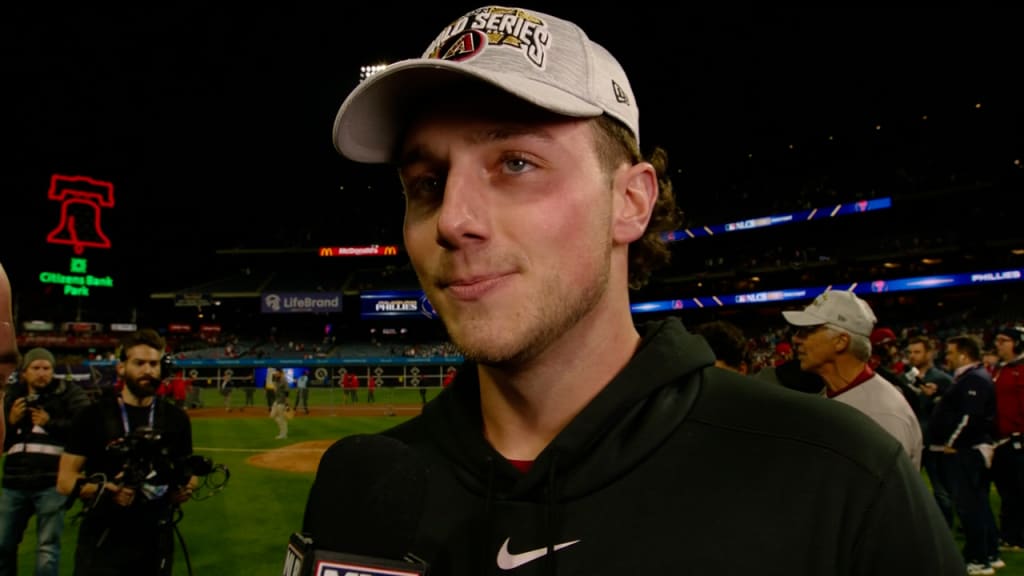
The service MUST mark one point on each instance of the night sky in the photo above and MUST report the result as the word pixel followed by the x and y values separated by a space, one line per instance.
pixel 213 124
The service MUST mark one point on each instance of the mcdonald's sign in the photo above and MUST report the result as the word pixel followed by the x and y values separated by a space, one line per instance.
pixel 371 250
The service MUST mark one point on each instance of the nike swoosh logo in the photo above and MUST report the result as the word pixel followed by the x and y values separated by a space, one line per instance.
pixel 507 561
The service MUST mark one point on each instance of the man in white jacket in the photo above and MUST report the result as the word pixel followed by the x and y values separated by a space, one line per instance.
pixel 833 341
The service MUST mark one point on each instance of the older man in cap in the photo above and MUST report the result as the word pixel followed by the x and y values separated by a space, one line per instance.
pixel 833 341
pixel 39 410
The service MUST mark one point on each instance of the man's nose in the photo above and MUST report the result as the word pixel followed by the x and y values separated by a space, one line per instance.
pixel 461 217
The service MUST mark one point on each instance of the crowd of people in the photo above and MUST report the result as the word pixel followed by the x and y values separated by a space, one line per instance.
pixel 958 416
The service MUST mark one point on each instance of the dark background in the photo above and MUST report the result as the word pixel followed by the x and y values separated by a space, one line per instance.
pixel 213 124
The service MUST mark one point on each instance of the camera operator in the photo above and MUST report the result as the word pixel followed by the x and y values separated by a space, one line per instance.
pixel 39 411
pixel 121 461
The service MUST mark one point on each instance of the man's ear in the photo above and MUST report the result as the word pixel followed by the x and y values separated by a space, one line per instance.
pixel 636 193
pixel 842 342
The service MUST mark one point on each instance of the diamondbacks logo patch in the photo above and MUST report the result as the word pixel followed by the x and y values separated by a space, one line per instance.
pixel 493 27
pixel 462 47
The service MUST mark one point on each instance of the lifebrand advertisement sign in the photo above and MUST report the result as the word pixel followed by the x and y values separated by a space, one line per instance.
pixel 300 302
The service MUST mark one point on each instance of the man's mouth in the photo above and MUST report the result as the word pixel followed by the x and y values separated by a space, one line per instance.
pixel 474 287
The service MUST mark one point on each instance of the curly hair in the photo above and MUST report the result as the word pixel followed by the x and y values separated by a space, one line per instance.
pixel 615 145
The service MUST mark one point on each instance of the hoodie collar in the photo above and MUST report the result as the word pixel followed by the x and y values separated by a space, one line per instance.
pixel 630 417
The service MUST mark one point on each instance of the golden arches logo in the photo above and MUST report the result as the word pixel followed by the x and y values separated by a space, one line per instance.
pixel 326 251
pixel 391 250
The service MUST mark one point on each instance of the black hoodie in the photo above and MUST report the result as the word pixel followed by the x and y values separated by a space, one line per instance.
pixel 677 467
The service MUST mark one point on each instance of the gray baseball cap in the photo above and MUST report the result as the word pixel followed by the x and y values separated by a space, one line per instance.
pixel 838 308
pixel 541 59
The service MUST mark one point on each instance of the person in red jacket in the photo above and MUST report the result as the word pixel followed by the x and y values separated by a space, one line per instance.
pixel 448 377
pixel 179 389
pixel 351 385
pixel 1008 461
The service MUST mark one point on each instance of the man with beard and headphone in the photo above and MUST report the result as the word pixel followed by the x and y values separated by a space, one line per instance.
pixel 115 462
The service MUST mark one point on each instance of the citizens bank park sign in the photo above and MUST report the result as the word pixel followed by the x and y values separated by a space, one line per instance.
pixel 298 302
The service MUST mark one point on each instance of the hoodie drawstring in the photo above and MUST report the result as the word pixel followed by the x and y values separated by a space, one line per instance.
pixel 549 524
pixel 485 550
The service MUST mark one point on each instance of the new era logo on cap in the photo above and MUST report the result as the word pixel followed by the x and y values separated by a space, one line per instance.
pixel 838 308
pixel 541 59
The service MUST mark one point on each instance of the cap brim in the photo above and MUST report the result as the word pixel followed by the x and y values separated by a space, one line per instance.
pixel 370 121
pixel 801 318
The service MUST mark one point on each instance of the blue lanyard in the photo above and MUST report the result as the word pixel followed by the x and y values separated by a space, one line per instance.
pixel 124 415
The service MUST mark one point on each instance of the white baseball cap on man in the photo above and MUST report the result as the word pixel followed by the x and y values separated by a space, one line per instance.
pixel 537 58
pixel 836 307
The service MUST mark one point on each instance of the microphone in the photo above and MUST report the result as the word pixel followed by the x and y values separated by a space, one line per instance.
pixel 362 513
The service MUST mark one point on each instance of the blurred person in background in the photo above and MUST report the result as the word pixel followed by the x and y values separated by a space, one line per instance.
pixel 926 380
pixel 39 411
pixel 227 386
pixel 732 351
pixel 990 359
pixel 302 392
pixel 960 434
pixel 279 412
pixel 274 380
pixel 930 384
pixel 1008 460
pixel 887 361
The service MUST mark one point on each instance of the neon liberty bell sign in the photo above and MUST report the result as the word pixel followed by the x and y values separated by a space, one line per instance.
pixel 82 199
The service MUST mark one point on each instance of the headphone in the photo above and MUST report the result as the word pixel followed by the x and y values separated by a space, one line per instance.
pixel 1016 333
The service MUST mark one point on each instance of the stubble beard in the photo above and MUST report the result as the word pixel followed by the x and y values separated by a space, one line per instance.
pixel 540 320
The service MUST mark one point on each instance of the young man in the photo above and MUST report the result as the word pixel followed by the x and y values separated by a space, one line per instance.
pixel 931 384
pixel 1008 463
pixel 123 460
pixel 571 442
pixel 39 411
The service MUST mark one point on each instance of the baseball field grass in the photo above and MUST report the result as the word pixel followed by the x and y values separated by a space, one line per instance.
pixel 243 529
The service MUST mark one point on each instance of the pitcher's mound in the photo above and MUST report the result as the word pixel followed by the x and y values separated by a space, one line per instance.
pixel 298 457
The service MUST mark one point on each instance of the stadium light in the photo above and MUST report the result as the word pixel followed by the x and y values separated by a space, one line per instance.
pixel 367 71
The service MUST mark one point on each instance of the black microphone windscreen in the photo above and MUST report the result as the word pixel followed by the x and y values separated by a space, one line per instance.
pixel 367 498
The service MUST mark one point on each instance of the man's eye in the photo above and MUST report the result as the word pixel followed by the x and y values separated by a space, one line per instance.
pixel 424 189
pixel 517 164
